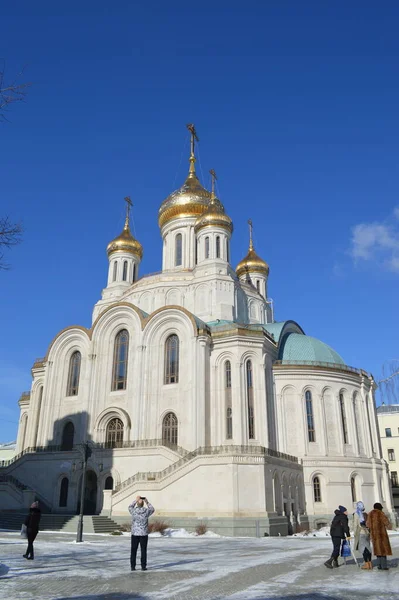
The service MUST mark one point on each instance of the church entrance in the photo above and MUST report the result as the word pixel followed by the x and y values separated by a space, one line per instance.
pixel 90 497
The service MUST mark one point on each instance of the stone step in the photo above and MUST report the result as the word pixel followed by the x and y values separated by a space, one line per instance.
pixel 91 524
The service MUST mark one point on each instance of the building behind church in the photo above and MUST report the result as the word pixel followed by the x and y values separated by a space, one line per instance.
pixel 190 393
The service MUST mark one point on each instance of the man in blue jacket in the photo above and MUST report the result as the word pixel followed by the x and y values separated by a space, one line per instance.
pixel 140 509
pixel 339 530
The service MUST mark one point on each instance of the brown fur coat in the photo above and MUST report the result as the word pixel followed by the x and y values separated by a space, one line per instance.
pixel 378 522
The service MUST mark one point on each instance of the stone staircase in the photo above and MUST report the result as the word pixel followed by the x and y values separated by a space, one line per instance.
pixel 69 523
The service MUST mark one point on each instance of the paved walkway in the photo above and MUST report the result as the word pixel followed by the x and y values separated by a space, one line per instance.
pixel 186 569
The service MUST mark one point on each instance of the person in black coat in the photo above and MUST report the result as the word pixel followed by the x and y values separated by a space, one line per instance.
pixel 339 530
pixel 32 525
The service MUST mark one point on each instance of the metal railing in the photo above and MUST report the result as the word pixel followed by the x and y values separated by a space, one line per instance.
pixel 317 363
pixel 14 481
pixel 231 450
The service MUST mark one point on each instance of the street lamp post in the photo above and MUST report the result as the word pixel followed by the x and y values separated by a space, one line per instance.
pixel 86 455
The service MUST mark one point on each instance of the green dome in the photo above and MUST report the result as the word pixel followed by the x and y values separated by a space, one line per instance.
pixel 297 347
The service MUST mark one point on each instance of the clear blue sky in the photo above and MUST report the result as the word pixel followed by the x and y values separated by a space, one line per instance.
pixel 296 106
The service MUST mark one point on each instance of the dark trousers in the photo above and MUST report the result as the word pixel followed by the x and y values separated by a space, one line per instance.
pixel 366 555
pixel 336 546
pixel 143 541
pixel 382 562
pixel 31 538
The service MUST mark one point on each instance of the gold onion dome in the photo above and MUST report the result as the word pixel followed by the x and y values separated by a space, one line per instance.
pixel 191 200
pixel 214 215
pixel 252 263
pixel 125 242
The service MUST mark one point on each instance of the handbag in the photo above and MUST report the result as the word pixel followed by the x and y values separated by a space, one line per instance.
pixel 345 549
pixel 24 532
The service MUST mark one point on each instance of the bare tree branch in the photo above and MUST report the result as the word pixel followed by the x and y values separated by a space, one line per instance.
pixel 10 92
pixel 10 235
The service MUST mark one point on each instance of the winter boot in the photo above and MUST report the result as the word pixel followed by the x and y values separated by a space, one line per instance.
pixel 335 562
pixel 367 565
pixel 328 563
pixel 384 564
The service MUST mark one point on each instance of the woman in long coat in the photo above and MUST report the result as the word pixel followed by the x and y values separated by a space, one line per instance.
pixel 362 535
pixel 32 524
pixel 378 522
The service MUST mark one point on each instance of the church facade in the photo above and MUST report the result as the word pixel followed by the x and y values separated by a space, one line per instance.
pixel 189 392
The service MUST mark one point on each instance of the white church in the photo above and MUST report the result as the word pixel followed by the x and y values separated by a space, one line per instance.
pixel 189 392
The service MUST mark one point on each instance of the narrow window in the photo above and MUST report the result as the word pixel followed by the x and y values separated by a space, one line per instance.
pixel 207 247
pixel 391 454
pixel 394 478
pixel 119 374
pixel 356 412
pixel 217 246
pixel 170 428
pixel 178 250
pixel 388 432
pixel 343 418
pixel 316 489
pixel 353 489
pixel 228 251
pixel 64 492
pixel 172 359
pixel 309 416
pixel 196 251
pixel 73 375
pixel 228 402
pixel 250 401
pixel 114 435
pixel 134 272
pixel 258 285
pixel 124 275
pixel 68 435
pixel 115 271
pixel 109 483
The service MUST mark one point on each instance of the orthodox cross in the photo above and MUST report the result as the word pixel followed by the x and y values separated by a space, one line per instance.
pixel 214 178
pixel 251 245
pixel 194 136
pixel 129 205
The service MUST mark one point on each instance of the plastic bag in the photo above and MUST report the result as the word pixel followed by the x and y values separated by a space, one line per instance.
pixel 345 549
pixel 24 532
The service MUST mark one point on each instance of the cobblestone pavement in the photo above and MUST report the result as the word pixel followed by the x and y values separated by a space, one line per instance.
pixel 188 568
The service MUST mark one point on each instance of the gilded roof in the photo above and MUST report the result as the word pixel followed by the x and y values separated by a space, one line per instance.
pixel 125 242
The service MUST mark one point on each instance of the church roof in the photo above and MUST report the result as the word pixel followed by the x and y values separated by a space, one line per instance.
pixel 298 347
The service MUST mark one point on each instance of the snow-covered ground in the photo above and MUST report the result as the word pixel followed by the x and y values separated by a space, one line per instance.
pixel 182 567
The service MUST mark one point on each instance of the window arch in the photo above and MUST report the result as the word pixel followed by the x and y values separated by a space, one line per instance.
pixel 115 271
pixel 258 285
pixel 316 489
pixel 196 251
pixel 309 416
pixel 74 374
pixel 68 435
pixel 170 428
pixel 109 483
pixel 64 492
pixel 228 400
pixel 39 408
pixel 207 247
pixel 124 274
pixel 178 250
pixel 343 418
pixel 119 374
pixel 218 246
pixel 134 273
pixel 114 435
pixel 250 400
pixel 353 489
pixel 172 360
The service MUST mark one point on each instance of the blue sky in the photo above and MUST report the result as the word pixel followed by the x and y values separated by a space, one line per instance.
pixel 296 106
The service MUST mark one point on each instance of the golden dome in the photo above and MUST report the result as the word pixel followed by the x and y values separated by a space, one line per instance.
pixel 125 242
pixel 252 263
pixel 190 200
pixel 214 216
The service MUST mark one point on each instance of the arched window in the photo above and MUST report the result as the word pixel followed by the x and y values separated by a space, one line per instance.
pixel 343 418
pixel 353 489
pixel 73 375
pixel 134 272
pixel 39 408
pixel 124 275
pixel 114 436
pixel 119 374
pixel 357 413
pixel 68 435
pixel 316 489
pixel 207 247
pixel 309 416
pixel 228 401
pixel 228 251
pixel 115 271
pixel 258 285
pixel 64 492
pixel 170 429
pixel 172 359
pixel 250 401
pixel 196 251
pixel 109 483
pixel 178 250
pixel 217 246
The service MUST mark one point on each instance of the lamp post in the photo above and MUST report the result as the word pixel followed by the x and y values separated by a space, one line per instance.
pixel 86 455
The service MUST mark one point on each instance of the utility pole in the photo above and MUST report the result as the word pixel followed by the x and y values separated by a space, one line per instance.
pixel 86 455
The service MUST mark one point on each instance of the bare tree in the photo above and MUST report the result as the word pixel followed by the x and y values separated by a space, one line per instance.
pixel 11 91
pixel 10 235
pixel 389 382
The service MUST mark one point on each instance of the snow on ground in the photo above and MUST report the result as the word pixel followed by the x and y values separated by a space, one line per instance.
pixel 182 566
